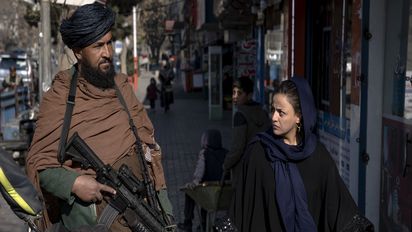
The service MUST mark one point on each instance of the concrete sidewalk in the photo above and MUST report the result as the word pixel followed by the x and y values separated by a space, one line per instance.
pixel 178 132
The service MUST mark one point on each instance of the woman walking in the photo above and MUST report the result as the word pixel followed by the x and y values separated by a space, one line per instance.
pixel 289 181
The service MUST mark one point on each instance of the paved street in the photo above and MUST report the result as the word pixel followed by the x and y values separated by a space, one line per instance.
pixel 178 132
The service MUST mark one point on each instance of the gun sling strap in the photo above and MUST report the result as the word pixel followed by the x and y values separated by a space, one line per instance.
pixel 112 209
pixel 67 115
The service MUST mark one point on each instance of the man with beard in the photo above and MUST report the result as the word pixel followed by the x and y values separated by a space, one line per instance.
pixel 101 121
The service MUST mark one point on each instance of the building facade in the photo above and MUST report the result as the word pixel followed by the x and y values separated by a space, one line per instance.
pixel 357 57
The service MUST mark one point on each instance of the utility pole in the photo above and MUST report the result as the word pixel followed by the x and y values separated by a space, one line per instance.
pixel 45 48
pixel 260 77
pixel 135 57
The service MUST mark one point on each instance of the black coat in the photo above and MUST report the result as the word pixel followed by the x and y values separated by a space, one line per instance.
pixel 166 77
pixel 255 207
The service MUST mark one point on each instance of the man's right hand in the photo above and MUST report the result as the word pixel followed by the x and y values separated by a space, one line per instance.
pixel 89 190
pixel 191 185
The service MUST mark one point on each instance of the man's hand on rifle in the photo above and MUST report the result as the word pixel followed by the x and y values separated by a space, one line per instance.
pixel 89 190
pixel 191 185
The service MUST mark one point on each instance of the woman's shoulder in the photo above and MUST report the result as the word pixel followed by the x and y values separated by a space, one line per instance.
pixel 255 150
pixel 321 151
pixel 321 157
pixel 317 167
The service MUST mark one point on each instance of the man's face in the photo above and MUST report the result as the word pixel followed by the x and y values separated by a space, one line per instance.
pixel 98 54
pixel 96 62
pixel 239 96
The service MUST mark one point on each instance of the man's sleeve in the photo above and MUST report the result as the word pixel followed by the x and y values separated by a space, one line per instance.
pixel 238 142
pixel 59 182
pixel 200 168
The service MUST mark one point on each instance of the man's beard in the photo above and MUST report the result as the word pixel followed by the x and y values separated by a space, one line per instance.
pixel 96 77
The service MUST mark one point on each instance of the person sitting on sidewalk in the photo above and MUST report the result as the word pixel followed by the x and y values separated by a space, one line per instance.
pixel 12 80
pixel 208 168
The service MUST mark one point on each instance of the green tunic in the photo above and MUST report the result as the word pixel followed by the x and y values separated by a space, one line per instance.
pixel 74 212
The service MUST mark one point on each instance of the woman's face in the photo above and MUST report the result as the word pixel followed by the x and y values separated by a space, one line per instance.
pixel 284 119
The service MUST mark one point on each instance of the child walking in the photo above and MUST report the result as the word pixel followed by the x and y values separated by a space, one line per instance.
pixel 152 91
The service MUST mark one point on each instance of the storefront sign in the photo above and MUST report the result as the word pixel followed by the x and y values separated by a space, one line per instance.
pixel 246 58
pixel 335 135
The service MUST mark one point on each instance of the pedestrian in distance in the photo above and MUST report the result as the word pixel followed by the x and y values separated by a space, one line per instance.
pixel 12 80
pixel 249 119
pixel 166 77
pixel 108 117
pixel 151 93
pixel 289 181
pixel 208 168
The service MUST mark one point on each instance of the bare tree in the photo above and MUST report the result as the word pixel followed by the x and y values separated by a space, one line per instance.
pixel 8 27
pixel 153 16
pixel 14 31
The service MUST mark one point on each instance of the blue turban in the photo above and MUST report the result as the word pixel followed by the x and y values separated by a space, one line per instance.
pixel 88 24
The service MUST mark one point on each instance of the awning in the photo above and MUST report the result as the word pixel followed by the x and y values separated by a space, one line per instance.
pixel 76 2
pixel 70 2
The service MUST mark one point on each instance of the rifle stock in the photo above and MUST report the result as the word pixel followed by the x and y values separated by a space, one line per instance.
pixel 130 191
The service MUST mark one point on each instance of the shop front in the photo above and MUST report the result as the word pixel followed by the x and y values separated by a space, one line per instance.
pixel 396 171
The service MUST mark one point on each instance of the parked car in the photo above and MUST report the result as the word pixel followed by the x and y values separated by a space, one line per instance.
pixel 21 61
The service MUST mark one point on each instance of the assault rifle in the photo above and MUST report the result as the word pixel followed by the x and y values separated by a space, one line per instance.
pixel 130 191
pixel 148 184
